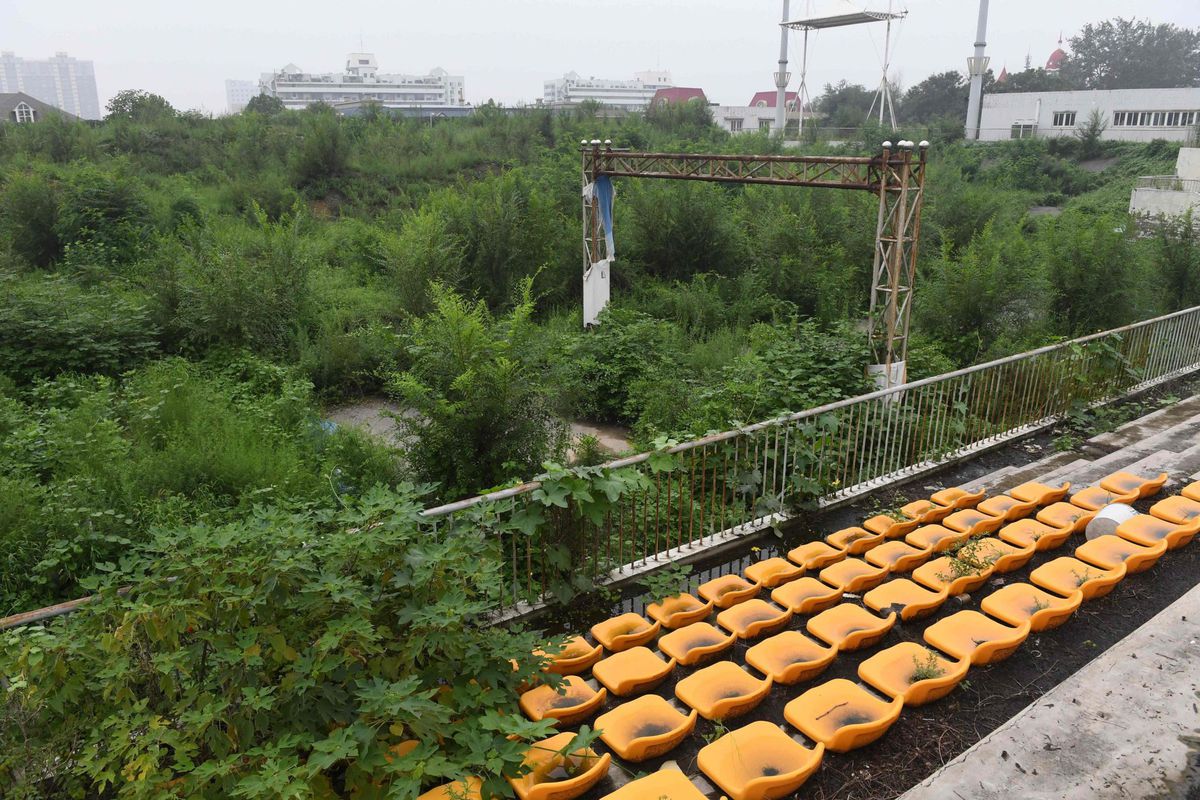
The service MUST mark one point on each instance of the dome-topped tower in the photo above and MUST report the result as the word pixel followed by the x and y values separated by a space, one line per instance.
pixel 1054 63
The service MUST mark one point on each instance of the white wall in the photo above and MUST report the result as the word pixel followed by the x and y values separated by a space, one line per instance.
pixel 1002 111
pixel 1161 202
pixel 1188 164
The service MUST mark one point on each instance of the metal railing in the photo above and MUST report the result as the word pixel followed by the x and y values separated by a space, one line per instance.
pixel 700 492
pixel 1170 183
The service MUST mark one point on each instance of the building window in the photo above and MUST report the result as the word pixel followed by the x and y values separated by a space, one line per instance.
pixel 735 124
pixel 1023 131
pixel 764 125
pixel 761 104
pixel 1064 119
pixel 24 113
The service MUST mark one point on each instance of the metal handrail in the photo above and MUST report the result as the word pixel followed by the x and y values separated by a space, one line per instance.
pixel 1170 183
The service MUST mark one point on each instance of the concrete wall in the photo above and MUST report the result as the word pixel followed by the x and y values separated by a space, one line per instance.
pixel 1002 111
pixel 1188 165
pixel 1163 203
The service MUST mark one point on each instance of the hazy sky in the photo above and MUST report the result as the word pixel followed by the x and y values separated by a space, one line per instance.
pixel 507 48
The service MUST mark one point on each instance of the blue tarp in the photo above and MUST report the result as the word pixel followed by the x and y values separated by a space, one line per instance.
pixel 604 195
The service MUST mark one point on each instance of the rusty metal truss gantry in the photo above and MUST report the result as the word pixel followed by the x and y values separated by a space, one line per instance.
pixel 896 175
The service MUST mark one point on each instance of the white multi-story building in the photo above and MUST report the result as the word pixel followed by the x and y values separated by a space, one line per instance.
pixel 363 83
pixel 62 81
pixel 627 95
pixel 1129 115
pixel 239 93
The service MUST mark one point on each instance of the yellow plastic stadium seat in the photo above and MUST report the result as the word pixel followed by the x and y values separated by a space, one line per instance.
pixel 1148 531
pixel 1003 556
pixel 790 657
pixel 666 784
pixel 807 596
pixel 913 673
pixel 955 577
pixel 854 575
pixel 1126 482
pixel 771 572
pixel 632 671
pixel 678 611
pixel 957 498
pixel 926 512
pixel 916 601
pixel 695 643
pixel 1032 533
pixel 1094 498
pixel 974 636
pixel 855 541
pixel 1019 602
pixel 1191 491
pixel 849 627
pixel 898 556
pixel 757 762
pixel 728 590
pixel 973 522
pixel 626 631
pixel 576 656
pixel 815 555
pixel 1064 516
pixel 580 770
pixel 643 728
pixel 1039 493
pixel 1065 575
pixel 1108 551
pixel 578 702
pixel 842 715
pixel 889 527
pixel 468 789
pixel 722 691
pixel 754 618
pixel 1180 510
pixel 935 538
pixel 1009 509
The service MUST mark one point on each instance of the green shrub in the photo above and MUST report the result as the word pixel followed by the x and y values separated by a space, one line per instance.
pixel 29 217
pixel 107 210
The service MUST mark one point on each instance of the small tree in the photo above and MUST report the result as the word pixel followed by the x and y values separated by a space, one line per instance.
pixel 1091 132
pixel 138 105
pixel 266 104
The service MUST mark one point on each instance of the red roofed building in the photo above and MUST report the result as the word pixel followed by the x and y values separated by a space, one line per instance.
pixel 1054 63
pixel 1003 77
pixel 678 94
pixel 767 100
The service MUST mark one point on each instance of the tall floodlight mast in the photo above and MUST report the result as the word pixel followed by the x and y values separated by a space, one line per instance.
pixel 884 96
pixel 977 67
pixel 782 76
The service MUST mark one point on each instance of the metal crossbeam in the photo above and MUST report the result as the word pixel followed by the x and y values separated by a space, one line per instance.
pixel 838 172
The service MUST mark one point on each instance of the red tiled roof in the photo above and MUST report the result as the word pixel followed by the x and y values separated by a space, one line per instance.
pixel 1055 60
pixel 768 98
pixel 679 94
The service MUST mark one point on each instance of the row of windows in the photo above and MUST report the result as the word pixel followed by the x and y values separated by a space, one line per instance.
pixel 1064 119
pixel 1156 119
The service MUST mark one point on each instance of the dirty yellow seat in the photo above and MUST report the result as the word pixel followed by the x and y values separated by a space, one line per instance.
pixel 576 656
pixel 815 555
pixel 694 643
pixel 1191 491
pixel 975 636
pixel 915 601
pixel 645 727
pixel 897 556
pixel 722 691
pixel 1004 557
pixel 972 522
pixel 935 538
pixel 1064 516
pixel 842 715
pixel 1026 532
pixel 854 541
pixel 580 770
pixel 771 572
pixel 1148 531
pixel 1179 510
pixel 1039 493
pixel 1065 575
pixel 957 498
pixel 468 789
pixel 1125 482
pixel 666 784
pixel 1009 509
pixel 853 575
pixel 678 611
pixel 757 762
pixel 754 618
pixel 632 671
pixel 1108 551
pixel 926 512
pixel 807 596
pixel 849 627
pixel 790 657
pixel 953 575
pixel 728 590
pixel 1094 498
pixel 890 527
pixel 1019 602
pixel 578 702
pixel 626 631
pixel 913 673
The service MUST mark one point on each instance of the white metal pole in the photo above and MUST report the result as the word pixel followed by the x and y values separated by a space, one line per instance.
pixel 977 66
pixel 781 77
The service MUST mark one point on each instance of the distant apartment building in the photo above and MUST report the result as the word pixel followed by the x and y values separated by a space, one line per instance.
pixel 758 114
pixel 239 93
pixel 1128 115
pixel 361 84
pixel 63 82
pixel 627 95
